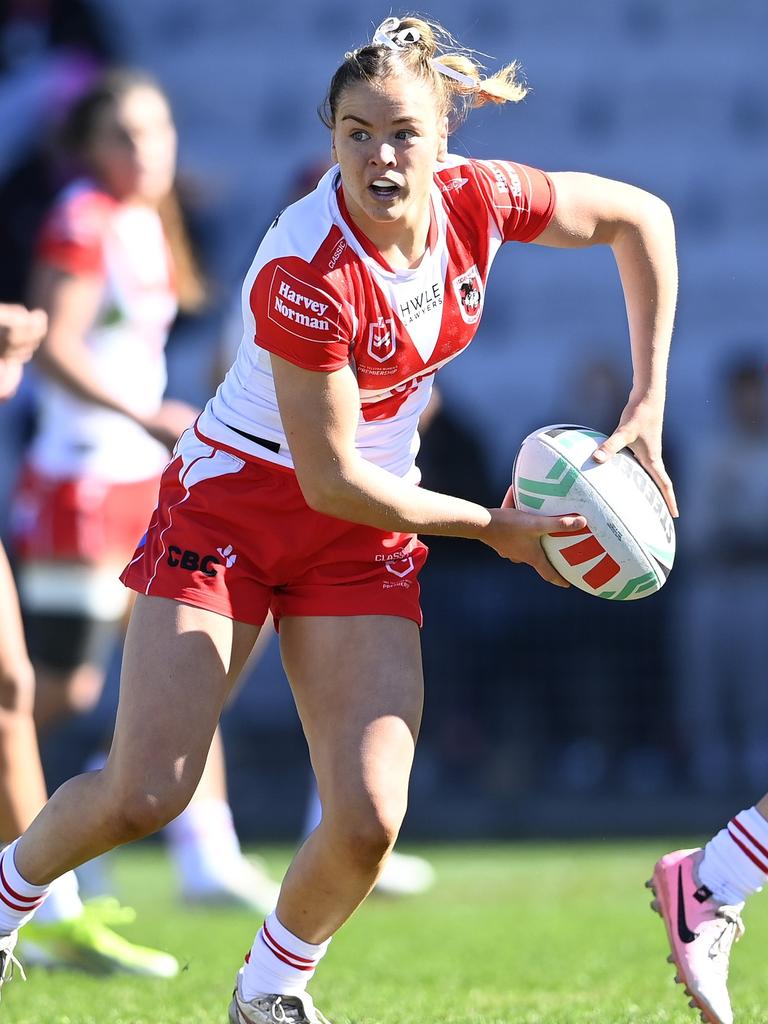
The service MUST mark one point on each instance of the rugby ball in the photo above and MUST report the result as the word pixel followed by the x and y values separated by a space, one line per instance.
pixel 628 547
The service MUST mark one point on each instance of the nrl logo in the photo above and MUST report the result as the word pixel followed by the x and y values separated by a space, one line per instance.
pixel 381 339
pixel 469 292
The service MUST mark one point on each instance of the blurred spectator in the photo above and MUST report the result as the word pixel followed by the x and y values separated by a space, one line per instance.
pixel 50 52
pixel 723 641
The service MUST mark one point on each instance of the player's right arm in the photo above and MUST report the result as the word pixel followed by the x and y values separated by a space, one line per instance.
pixel 320 413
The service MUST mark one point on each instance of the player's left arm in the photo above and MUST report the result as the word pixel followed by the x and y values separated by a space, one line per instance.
pixel 639 229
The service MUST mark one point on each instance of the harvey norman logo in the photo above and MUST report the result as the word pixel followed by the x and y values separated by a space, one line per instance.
pixel 507 180
pixel 300 308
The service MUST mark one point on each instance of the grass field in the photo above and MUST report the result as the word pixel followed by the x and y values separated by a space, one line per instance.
pixel 511 934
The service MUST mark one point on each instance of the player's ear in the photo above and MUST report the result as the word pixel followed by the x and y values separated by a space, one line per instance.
pixel 442 149
pixel 333 147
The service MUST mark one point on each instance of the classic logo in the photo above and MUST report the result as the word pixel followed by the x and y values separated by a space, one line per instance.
pixel 301 309
pixel 337 253
pixel 381 339
pixel 469 292
pixel 453 184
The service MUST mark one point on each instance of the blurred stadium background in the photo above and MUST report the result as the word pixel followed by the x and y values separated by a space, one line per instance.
pixel 548 713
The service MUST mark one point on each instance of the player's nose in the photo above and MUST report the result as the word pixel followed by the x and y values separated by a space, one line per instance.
pixel 383 155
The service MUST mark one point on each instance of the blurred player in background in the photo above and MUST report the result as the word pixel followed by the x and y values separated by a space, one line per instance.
pixel 113 265
pixel 80 932
pixel 700 893
pixel 300 476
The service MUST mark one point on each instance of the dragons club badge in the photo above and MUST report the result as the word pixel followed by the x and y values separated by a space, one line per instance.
pixel 469 293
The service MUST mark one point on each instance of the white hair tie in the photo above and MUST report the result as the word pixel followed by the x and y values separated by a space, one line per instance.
pixel 457 76
pixel 390 34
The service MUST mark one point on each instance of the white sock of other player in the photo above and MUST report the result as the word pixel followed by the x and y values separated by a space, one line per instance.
pixel 279 963
pixel 735 862
pixel 18 899
pixel 63 902
pixel 203 844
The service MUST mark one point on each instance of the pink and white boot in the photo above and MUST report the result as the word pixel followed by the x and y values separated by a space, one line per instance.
pixel 700 930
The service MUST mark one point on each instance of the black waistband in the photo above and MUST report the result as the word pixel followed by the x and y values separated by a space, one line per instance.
pixel 273 446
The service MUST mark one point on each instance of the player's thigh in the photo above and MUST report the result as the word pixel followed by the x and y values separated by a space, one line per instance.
pixel 358 686
pixel 179 663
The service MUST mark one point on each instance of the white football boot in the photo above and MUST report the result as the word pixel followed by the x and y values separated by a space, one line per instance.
pixel 274 1010
pixel 7 960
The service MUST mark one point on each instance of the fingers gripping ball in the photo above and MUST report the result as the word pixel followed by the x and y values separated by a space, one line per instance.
pixel 628 548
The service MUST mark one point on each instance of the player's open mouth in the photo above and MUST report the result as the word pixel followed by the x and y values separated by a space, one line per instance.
pixel 382 188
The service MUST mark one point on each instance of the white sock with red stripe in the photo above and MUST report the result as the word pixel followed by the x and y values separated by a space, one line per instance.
pixel 18 899
pixel 279 963
pixel 735 862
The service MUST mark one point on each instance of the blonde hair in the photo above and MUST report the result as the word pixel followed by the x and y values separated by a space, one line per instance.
pixel 422 48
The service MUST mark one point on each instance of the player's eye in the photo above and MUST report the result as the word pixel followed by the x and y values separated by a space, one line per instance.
pixel 406 133
pixel 359 135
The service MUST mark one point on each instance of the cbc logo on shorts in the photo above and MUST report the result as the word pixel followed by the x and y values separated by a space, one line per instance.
pixel 192 561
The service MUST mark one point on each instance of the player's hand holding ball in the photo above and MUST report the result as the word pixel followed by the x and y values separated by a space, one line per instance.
pixel 640 429
pixel 517 535
pixel 625 546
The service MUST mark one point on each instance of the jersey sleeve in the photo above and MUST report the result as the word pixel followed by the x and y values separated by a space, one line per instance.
pixel 300 316
pixel 520 200
pixel 72 237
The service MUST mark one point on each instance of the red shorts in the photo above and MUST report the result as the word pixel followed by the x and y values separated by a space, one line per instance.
pixel 82 520
pixel 235 535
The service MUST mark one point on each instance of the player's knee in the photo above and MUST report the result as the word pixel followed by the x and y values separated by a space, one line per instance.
pixel 142 810
pixel 369 832
pixel 17 689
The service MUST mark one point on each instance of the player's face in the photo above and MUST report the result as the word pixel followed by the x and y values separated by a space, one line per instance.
pixel 387 138
pixel 133 146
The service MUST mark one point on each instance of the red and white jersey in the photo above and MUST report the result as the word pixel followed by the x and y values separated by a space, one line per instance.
pixel 319 295
pixel 89 232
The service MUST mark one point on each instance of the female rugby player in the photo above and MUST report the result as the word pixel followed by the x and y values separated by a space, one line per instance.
pixel 297 492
